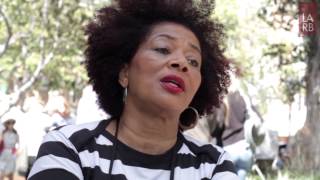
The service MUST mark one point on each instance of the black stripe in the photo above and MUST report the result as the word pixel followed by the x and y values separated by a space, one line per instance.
pixel 225 166
pixel 188 160
pixel 151 162
pixel 131 157
pixel 104 151
pixel 53 174
pixel 58 128
pixel 210 153
pixel 59 149
pixel 96 174
pixel 81 138
pixel 85 139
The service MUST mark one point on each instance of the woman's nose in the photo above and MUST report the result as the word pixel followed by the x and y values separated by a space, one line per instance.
pixel 179 63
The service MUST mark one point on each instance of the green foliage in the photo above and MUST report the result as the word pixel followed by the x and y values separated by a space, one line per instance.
pixel 45 27
pixel 261 39
pixel 281 15
pixel 41 30
pixel 238 32
pixel 288 175
pixel 247 39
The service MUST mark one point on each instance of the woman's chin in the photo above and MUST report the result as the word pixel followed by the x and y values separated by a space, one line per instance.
pixel 171 108
pixel 176 103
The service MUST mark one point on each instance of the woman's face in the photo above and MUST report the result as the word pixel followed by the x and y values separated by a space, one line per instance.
pixel 10 125
pixel 165 71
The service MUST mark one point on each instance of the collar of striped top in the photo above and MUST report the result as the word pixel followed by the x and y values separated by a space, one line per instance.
pixel 129 154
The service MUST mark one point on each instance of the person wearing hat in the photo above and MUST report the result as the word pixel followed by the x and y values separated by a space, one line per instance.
pixel 9 140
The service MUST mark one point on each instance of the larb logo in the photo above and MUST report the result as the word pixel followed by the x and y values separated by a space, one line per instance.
pixel 308 18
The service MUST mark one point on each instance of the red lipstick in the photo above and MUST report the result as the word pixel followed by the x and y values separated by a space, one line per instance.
pixel 173 84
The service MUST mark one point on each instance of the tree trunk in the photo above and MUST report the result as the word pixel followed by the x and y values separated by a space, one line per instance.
pixel 306 150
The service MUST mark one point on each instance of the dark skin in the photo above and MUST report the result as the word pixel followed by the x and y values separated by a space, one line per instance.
pixel 149 122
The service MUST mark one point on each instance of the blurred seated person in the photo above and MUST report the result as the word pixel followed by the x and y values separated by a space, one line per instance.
pixel 283 155
pixel 239 129
pixel 233 126
pixel 59 110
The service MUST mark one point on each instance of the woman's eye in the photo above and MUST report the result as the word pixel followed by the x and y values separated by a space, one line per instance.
pixel 164 51
pixel 193 62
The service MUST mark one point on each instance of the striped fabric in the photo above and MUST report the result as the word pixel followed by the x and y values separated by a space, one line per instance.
pixel 83 152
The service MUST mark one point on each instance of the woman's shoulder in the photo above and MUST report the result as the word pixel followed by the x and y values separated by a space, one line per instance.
pixel 65 148
pixel 90 127
pixel 210 156
pixel 77 135
pixel 198 147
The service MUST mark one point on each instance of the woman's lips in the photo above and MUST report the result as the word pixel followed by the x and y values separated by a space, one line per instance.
pixel 173 84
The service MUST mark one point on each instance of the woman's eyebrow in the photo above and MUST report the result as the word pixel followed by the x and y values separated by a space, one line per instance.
pixel 193 46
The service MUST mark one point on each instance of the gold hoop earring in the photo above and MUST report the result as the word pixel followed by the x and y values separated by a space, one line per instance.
pixel 188 118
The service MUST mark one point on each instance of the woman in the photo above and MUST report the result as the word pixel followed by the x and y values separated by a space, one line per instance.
pixel 152 64
pixel 10 139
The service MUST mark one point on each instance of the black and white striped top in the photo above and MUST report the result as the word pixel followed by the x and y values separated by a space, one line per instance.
pixel 83 152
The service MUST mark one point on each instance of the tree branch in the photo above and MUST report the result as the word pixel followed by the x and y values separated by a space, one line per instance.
pixel 45 59
pixel 9 33
pixel 14 97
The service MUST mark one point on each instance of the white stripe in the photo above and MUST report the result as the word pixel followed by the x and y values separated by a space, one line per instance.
pixel 102 140
pixel 224 156
pixel 70 129
pixel 57 136
pixel 185 150
pixel 133 172
pixel 205 170
pixel 193 140
pixel 199 144
pixel 51 162
pixel 92 159
pixel 226 175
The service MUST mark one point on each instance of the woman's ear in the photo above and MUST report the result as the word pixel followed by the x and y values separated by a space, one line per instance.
pixel 124 76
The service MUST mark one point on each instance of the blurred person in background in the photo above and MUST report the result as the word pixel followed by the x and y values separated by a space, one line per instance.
pixel 34 126
pixel 239 129
pixel 283 155
pixel 60 112
pixel 234 126
pixel 88 109
pixel 10 140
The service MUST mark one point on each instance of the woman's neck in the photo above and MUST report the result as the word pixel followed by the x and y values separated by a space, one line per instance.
pixel 146 133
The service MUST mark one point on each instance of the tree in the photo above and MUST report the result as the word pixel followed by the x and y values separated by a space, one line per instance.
pixel 264 47
pixel 306 151
pixel 307 146
pixel 41 45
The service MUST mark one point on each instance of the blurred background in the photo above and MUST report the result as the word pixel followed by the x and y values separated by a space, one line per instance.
pixel 43 83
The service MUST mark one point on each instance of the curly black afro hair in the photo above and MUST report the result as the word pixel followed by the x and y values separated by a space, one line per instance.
pixel 118 30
